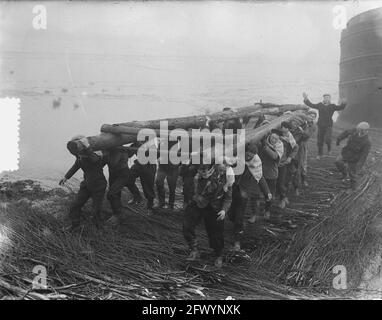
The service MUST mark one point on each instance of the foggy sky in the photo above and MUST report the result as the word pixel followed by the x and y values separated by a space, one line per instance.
pixel 123 61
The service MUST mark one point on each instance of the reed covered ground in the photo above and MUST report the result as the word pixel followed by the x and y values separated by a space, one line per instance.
pixel 291 256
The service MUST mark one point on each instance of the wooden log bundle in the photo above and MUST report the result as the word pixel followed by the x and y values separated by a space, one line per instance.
pixel 125 133
pixel 200 120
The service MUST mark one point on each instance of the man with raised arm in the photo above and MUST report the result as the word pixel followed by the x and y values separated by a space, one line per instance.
pixel 326 110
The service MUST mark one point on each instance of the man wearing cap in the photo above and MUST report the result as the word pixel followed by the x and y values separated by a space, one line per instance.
pixel 271 152
pixel 231 124
pixel 248 185
pixel 94 183
pixel 326 110
pixel 354 154
pixel 211 201
pixel 287 163
pixel 302 134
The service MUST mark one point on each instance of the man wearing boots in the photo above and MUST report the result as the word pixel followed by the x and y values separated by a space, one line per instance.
pixel 248 186
pixel 166 171
pixel 93 186
pixel 187 172
pixel 271 151
pixel 285 165
pixel 210 203
pixel 302 135
pixel 117 161
pixel 146 173
pixel 326 110
pixel 354 154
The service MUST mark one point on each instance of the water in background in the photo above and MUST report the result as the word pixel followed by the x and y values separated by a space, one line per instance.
pixel 71 82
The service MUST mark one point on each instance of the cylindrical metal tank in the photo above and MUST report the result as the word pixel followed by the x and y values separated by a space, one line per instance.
pixel 361 68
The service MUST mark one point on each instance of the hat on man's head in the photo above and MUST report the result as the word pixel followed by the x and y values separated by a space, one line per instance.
pixel 363 125
pixel 77 137
pixel 286 124
pixel 276 131
pixel 251 147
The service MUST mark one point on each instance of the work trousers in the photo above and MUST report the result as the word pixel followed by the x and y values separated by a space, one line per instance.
pixel 171 175
pixel 294 174
pixel 236 213
pixel 95 191
pixel 272 188
pixel 347 169
pixel 214 228
pixel 324 135
pixel 117 181
pixel 188 189
pixel 146 173
pixel 282 181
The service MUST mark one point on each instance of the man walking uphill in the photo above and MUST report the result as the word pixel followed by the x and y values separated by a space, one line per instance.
pixel 119 177
pixel 210 203
pixel 354 154
pixel 326 110
pixel 93 186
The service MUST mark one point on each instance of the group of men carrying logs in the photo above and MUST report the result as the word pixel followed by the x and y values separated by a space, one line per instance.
pixel 267 160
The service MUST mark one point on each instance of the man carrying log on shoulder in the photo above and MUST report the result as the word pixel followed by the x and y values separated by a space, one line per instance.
pixel 302 134
pixel 326 110
pixel 354 154
pixel 210 203
pixel 166 171
pixel 285 165
pixel 117 160
pixel 94 183
pixel 307 131
pixel 146 173
pixel 188 171
pixel 249 185
pixel 231 124
pixel 271 152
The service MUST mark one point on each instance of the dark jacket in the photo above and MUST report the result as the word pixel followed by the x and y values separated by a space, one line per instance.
pixel 168 167
pixel 356 149
pixel 289 151
pixel 92 166
pixel 188 170
pixel 117 159
pixel 249 184
pixel 270 159
pixel 303 136
pixel 212 190
pixel 325 112
pixel 133 150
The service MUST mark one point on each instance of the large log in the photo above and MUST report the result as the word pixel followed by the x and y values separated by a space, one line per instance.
pixel 251 135
pixel 121 129
pixel 103 141
pixel 200 120
pixel 107 140
pixel 193 121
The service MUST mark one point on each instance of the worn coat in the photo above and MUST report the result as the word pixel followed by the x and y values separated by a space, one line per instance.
pixel 356 149
pixel 325 112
